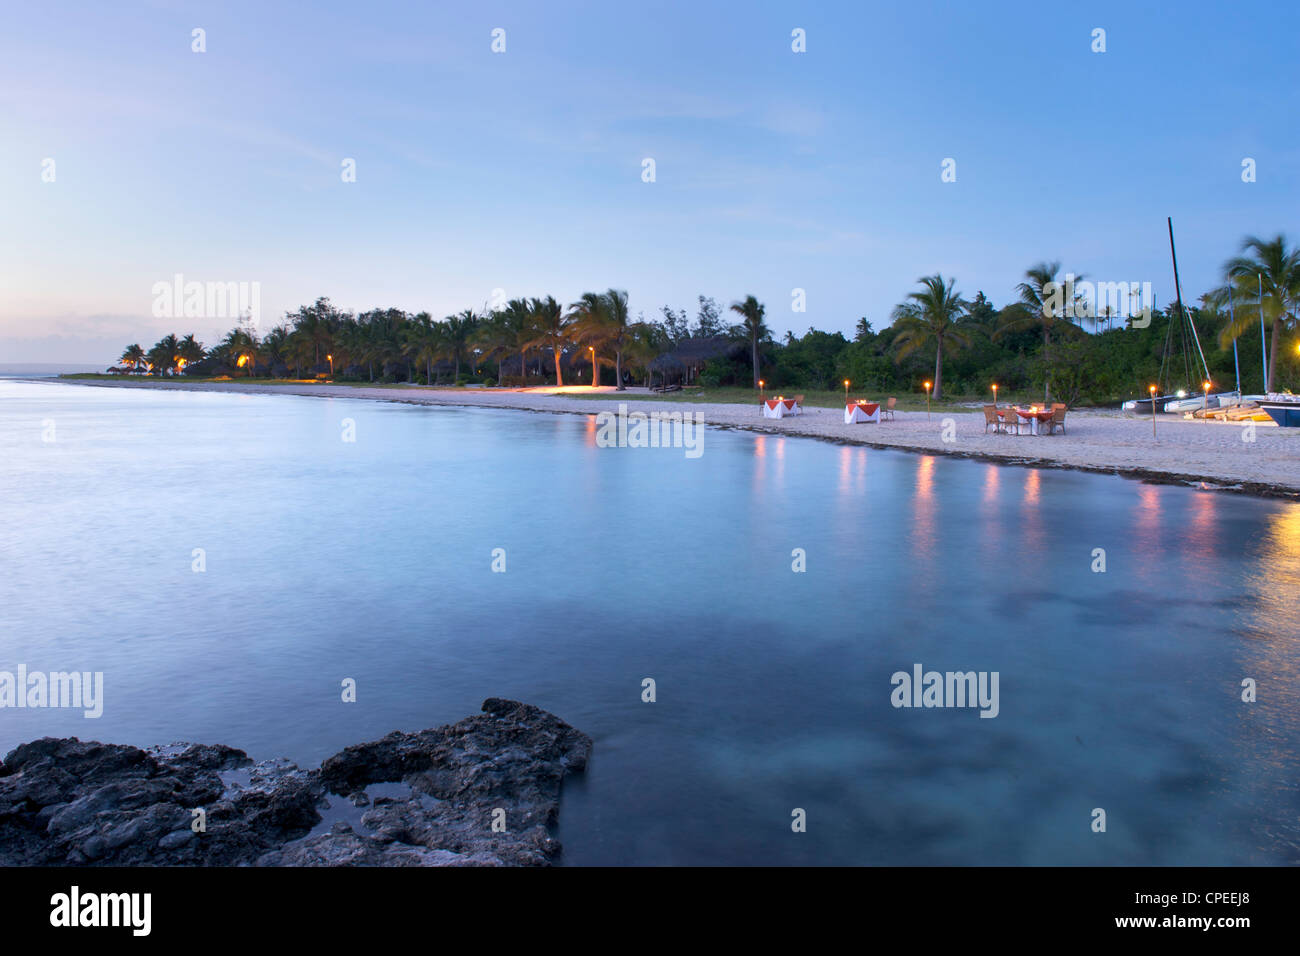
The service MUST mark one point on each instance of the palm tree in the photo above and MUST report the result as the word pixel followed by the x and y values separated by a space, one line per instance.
pixel 1270 281
pixel 133 356
pixel 620 331
pixel 517 326
pixel 350 342
pixel 590 327
pixel 424 340
pixel 552 328
pixel 190 350
pixel 241 343
pixel 751 310
pixel 494 339
pixel 1043 299
pixel 382 338
pixel 646 342
pixel 275 346
pixel 931 315
pixel 316 324
pixel 458 332
pixel 162 357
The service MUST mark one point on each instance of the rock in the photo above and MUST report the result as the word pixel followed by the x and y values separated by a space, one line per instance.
pixel 176 839
pixel 65 801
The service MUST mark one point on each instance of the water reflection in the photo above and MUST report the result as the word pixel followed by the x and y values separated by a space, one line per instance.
pixel 992 478
pixel 1202 537
pixel 1033 533
pixel 852 470
pixel 991 513
pixel 653 564
pixel 769 463
pixel 923 508
pixel 1274 580
pixel 1263 744
pixel 1147 546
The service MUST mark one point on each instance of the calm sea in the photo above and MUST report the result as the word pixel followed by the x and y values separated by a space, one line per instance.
pixel 372 560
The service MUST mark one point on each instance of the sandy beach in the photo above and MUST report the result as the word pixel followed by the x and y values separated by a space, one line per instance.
pixel 1214 455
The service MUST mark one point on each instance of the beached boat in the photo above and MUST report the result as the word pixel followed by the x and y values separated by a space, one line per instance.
pixel 1194 402
pixel 1142 406
pixel 1283 409
pixel 1182 329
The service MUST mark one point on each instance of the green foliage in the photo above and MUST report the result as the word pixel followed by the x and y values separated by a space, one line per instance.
pixel 717 372
pixel 1025 346
pixel 809 362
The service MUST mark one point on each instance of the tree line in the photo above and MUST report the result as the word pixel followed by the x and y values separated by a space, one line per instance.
pixel 959 346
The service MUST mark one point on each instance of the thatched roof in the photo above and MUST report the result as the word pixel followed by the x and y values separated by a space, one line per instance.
pixel 697 351
pixel 667 364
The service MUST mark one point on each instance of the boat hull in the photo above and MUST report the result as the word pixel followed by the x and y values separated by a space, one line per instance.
pixel 1142 406
pixel 1287 415
pixel 1194 402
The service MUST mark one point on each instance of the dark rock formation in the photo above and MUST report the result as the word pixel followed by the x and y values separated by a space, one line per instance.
pixel 479 792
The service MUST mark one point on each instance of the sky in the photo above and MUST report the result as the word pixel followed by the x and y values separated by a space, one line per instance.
pixel 523 171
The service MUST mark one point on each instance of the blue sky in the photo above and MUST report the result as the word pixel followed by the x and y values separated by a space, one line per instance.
pixel 521 171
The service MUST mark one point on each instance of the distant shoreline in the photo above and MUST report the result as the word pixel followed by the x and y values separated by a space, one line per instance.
pixel 1208 455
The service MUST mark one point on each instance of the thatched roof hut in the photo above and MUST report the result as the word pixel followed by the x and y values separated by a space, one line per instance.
pixel 668 368
pixel 694 353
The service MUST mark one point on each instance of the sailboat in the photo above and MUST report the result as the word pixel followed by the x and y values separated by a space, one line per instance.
pixel 1188 398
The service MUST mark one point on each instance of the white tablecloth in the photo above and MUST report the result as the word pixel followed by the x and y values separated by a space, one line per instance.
pixel 1031 423
pixel 858 413
pixel 781 410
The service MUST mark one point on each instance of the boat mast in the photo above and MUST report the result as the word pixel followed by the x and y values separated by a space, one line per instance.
pixel 1236 362
pixel 1179 293
pixel 1263 338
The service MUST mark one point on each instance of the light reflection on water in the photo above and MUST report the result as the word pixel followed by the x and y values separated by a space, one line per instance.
pixel 372 560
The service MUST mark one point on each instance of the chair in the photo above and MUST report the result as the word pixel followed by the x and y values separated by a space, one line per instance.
pixel 1010 420
pixel 888 408
pixel 991 418
pixel 1057 420
pixel 798 403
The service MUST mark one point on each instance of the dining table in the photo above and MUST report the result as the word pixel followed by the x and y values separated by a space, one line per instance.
pixel 779 407
pixel 1032 416
pixel 861 411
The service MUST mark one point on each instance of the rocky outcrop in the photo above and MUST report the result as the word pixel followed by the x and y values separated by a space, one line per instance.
pixel 481 792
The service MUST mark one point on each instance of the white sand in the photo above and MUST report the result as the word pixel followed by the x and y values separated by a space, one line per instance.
pixel 1210 453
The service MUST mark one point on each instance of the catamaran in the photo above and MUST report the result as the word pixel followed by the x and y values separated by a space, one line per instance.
pixel 1187 398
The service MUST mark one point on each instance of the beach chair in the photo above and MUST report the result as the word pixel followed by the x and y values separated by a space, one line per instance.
pixel 1058 419
pixel 991 418
pixel 888 409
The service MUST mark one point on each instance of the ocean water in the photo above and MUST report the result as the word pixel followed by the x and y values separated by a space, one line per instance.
pixel 372 560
